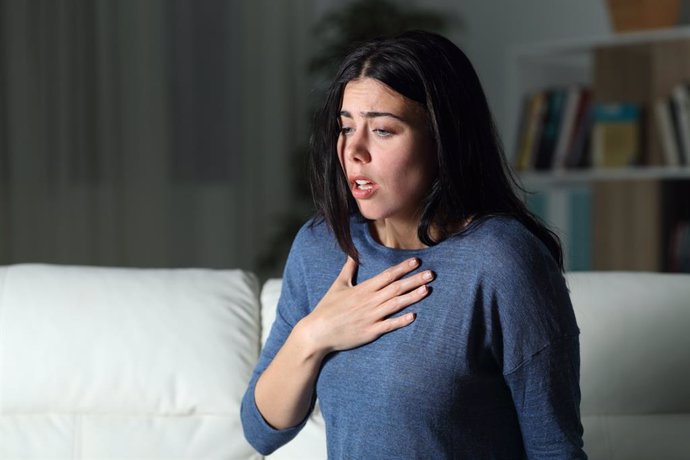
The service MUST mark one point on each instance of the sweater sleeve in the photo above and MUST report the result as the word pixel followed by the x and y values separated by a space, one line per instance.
pixel 546 394
pixel 536 341
pixel 292 306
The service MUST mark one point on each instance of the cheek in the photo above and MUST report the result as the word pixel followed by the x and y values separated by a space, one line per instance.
pixel 415 177
pixel 340 148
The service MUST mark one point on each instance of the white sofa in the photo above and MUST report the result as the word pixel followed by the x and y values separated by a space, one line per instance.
pixel 111 363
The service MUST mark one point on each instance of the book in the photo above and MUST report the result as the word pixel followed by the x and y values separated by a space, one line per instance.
pixel 680 103
pixel 533 114
pixel 578 152
pixel 551 124
pixel 567 211
pixel 664 123
pixel 616 135
pixel 521 133
pixel 567 126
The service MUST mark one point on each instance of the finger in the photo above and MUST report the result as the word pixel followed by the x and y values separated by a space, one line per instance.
pixel 347 273
pixel 391 324
pixel 393 273
pixel 405 285
pixel 396 304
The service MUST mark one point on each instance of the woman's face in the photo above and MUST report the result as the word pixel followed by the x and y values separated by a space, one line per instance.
pixel 386 151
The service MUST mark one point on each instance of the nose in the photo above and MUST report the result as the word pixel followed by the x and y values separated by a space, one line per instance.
pixel 356 147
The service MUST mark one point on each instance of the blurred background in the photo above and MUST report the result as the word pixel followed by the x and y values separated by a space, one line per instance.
pixel 172 133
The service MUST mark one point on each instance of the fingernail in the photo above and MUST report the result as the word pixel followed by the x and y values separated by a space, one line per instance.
pixel 422 289
pixel 427 275
pixel 413 262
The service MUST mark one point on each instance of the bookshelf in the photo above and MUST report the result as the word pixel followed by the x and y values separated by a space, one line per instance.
pixel 623 218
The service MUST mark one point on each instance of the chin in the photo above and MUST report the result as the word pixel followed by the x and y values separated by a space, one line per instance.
pixel 374 214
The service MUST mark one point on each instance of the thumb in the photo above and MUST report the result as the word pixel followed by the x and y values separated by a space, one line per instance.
pixel 348 271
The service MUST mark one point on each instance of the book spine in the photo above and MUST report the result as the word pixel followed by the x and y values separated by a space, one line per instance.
pixel 566 131
pixel 662 113
pixel 681 103
pixel 532 129
pixel 552 122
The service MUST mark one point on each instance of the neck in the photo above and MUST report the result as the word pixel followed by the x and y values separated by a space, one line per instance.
pixel 403 235
pixel 395 234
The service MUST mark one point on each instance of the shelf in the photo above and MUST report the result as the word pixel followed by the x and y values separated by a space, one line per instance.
pixel 616 218
pixel 559 63
pixel 586 44
pixel 573 177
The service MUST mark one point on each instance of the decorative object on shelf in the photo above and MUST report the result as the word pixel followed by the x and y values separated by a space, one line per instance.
pixel 631 15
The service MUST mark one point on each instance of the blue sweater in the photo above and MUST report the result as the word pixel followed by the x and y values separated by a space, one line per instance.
pixel 488 370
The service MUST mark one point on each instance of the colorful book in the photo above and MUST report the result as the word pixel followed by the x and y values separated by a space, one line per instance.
pixel 567 126
pixel 616 135
pixel 578 152
pixel 531 132
pixel 567 211
pixel 549 135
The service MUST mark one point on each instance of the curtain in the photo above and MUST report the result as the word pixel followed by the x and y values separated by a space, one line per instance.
pixel 148 133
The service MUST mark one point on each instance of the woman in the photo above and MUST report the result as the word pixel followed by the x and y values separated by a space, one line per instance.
pixel 411 187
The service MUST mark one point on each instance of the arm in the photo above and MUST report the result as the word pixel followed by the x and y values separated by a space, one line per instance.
pixel 535 335
pixel 546 394
pixel 281 392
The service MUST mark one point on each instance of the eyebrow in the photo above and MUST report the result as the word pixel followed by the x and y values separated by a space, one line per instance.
pixel 346 114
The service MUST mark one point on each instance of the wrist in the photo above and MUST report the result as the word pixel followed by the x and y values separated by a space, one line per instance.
pixel 308 341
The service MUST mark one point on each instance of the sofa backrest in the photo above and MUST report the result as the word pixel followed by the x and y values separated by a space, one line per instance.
pixel 635 366
pixel 125 363
pixel 635 355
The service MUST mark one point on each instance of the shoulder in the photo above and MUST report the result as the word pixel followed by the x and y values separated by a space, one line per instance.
pixel 503 246
pixel 313 236
pixel 526 287
pixel 315 253
pixel 511 258
pixel 501 234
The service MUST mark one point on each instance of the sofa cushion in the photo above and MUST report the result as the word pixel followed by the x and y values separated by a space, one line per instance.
pixel 114 363
pixel 635 371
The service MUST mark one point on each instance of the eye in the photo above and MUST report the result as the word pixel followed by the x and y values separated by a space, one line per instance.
pixel 380 132
pixel 345 130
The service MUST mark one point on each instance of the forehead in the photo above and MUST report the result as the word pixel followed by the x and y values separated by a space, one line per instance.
pixel 368 94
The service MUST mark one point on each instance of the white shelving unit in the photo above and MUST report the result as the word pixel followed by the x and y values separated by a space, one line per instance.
pixel 622 218
pixel 540 65
pixel 545 180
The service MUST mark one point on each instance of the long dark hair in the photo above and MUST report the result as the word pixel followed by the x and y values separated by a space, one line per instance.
pixel 473 180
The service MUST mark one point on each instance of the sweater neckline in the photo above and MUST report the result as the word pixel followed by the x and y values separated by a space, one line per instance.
pixel 376 246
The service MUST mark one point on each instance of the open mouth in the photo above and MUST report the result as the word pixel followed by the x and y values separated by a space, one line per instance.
pixel 362 188
pixel 363 184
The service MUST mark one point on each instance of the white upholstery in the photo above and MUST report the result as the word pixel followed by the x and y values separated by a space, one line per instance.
pixel 635 372
pixel 125 363
pixel 111 363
